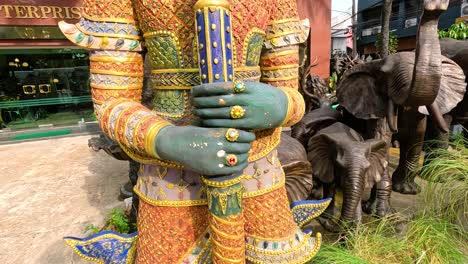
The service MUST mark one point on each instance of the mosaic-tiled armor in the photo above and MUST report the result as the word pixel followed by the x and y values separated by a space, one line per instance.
pixel 173 224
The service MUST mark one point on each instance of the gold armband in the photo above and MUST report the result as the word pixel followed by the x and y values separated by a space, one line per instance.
pixel 150 139
pixel 296 106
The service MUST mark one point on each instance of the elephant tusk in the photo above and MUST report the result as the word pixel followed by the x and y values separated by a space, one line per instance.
pixel 392 117
pixel 434 111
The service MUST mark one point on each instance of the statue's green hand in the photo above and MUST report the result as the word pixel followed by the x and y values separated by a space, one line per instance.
pixel 203 150
pixel 265 106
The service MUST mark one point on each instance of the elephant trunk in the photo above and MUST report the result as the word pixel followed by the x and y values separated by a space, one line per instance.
pixel 436 115
pixel 427 67
pixel 392 116
pixel 352 191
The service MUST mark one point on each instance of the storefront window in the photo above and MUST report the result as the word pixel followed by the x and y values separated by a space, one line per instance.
pixel 44 87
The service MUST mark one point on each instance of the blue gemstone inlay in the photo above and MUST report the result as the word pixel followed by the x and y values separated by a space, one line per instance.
pixel 216 46
pixel 302 210
pixel 106 246
pixel 214 53
pixel 108 27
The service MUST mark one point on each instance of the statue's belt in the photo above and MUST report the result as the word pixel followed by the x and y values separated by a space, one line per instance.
pixel 185 79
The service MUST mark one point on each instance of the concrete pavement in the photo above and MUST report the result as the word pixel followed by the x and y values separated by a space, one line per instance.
pixel 50 189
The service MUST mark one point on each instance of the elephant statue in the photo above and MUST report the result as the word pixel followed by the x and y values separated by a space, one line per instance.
pixel 297 168
pixel 414 127
pixel 372 92
pixel 342 158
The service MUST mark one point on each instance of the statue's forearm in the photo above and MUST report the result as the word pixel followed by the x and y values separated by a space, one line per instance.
pixel 280 63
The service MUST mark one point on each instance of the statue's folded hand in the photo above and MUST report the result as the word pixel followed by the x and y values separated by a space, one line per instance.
pixel 209 151
pixel 240 105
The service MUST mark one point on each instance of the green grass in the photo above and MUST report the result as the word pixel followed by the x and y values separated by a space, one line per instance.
pixel 117 220
pixel 425 240
pixel 437 240
pixel 447 175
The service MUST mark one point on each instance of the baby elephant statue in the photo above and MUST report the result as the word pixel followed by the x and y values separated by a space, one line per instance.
pixel 341 158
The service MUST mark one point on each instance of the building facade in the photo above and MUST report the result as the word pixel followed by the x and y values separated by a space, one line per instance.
pixel 403 22
pixel 341 33
pixel 319 14
pixel 43 77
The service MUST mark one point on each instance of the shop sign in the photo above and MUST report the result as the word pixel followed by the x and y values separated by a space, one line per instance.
pixel 39 12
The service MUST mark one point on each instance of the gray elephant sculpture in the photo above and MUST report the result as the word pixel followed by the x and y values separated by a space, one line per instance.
pixel 342 158
pixel 414 126
pixel 371 92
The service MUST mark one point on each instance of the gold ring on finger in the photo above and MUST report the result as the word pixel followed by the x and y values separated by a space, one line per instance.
pixel 239 87
pixel 221 101
pixel 237 112
pixel 231 160
pixel 232 134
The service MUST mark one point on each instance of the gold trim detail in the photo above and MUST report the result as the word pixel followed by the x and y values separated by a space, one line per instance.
pixel 116 59
pixel 123 87
pixel 296 106
pixel 172 87
pixel 280 67
pixel 258 151
pixel 199 244
pixel 131 253
pixel 315 215
pixel 222 184
pixel 207 35
pixel 279 79
pixel 228 260
pixel 209 3
pixel 118 20
pixel 247 68
pixel 279 252
pixel 313 252
pixel 286 33
pixel 149 160
pixel 290 111
pixel 279 54
pixel 185 79
pixel 205 201
pixel 205 248
pixel 223 44
pixel 168 203
pixel 161 71
pixel 251 33
pixel 150 138
pixel 282 21
pixel 110 72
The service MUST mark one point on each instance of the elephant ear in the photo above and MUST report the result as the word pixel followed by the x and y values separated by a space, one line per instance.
pixel 313 121
pixel 377 159
pixel 359 91
pixel 452 87
pixel 297 168
pixel 323 149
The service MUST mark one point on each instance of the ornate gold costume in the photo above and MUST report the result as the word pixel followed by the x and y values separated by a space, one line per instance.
pixel 173 223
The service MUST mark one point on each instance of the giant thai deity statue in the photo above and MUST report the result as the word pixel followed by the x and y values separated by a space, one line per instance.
pixel 224 80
